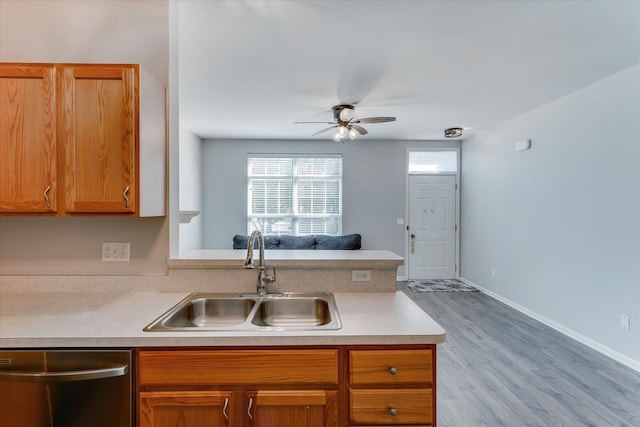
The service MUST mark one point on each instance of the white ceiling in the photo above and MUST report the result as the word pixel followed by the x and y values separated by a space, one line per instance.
pixel 249 69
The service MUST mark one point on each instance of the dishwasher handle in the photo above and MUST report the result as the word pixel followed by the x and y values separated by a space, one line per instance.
pixel 64 376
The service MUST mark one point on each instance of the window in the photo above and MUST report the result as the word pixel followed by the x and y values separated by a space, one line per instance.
pixel 425 162
pixel 294 194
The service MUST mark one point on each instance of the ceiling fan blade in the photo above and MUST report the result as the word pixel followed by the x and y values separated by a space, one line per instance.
pixel 324 130
pixel 375 120
pixel 360 129
pixel 328 123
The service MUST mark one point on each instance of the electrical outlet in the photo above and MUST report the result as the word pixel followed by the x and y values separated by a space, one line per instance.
pixel 493 272
pixel 115 251
pixel 624 322
pixel 360 275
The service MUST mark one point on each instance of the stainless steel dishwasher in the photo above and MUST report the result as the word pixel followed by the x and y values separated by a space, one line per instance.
pixel 65 388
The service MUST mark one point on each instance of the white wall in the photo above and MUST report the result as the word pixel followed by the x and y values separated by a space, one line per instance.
pixel 99 31
pixel 560 223
pixel 374 177
pixel 190 166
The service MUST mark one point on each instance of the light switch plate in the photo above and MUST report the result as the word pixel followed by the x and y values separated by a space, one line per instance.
pixel 523 145
pixel 624 322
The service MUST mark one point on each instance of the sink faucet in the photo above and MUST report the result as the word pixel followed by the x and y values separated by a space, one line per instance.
pixel 263 278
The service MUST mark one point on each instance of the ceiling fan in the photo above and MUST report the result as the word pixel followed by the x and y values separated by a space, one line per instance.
pixel 346 125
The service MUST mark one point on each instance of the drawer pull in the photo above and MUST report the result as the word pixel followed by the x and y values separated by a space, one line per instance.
pixel 126 197
pixel 393 371
pixel 249 410
pixel 46 197
pixel 393 412
pixel 224 411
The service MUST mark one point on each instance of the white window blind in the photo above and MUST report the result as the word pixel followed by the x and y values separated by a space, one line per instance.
pixel 294 194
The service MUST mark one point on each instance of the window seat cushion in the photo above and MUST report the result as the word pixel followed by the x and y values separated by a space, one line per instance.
pixel 320 242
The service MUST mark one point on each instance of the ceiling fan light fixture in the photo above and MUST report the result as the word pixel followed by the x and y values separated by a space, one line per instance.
pixel 346 114
pixel 340 133
pixel 345 125
pixel 452 132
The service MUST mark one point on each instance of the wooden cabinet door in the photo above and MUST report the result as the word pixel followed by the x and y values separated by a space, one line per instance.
pixel 291 408
pixel 100 116
pixel 28 156
pixel 186 408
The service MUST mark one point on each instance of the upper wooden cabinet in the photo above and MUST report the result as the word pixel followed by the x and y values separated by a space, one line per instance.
pixel 108 139
pixel 28 138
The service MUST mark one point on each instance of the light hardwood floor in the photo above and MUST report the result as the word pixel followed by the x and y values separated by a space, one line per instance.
pixel 500 367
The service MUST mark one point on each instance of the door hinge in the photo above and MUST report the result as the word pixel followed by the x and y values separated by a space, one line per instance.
pixel 456 268
pixel 456 227
pixel 456 185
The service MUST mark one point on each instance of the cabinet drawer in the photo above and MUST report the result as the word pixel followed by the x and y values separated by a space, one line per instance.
pixel 391 366
pixel 392 407
pixel 236 367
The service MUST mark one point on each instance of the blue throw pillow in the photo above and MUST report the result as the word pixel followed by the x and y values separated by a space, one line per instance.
pixel 297 242
pixel 347 242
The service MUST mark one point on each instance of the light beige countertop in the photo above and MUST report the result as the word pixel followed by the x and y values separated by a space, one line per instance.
pixel 117 319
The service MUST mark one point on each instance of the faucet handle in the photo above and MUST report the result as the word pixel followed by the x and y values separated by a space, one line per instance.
pixel 271 278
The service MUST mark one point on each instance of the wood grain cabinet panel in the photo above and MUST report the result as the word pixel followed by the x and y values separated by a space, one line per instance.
pixel 391 407
pixel 391 366
pixel 219 367
pixel 99 126
pixel 28 138
pixel 186 408
pixel 292 408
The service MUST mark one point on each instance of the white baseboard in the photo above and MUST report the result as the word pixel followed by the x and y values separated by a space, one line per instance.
pixel 625 360
pixel 401 278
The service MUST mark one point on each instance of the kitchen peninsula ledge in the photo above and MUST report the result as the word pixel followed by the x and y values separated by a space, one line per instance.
pixel 117 319
pixel 297 270
pixel 225 258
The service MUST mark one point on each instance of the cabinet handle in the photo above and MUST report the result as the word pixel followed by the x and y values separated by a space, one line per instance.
pixel 393 371
pixel 46 197
pixel 393 412
pixel 126 198
pixel 64 376
pixel 224 411
pixel 249 410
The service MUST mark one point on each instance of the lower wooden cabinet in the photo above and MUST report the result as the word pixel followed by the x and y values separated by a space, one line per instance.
pixel 291 387
pixel 342 386
pixel 392 387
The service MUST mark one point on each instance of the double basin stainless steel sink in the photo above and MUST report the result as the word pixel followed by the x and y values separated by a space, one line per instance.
pixel 250 312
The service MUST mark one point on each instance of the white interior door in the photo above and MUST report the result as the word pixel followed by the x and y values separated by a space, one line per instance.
pixel 432 227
